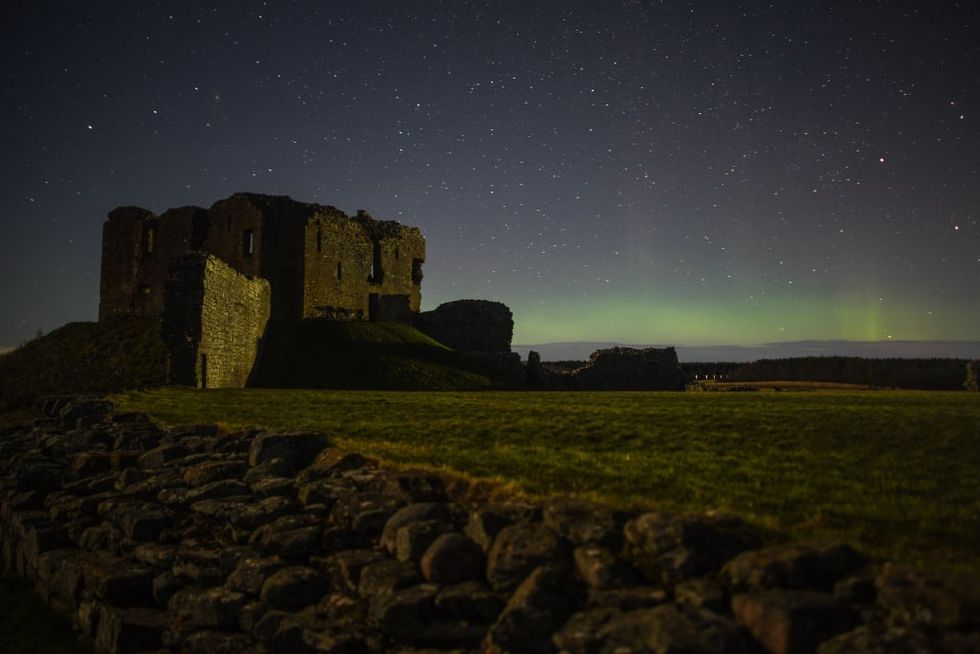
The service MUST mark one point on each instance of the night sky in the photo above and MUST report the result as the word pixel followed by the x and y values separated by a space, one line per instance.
pixel 706 172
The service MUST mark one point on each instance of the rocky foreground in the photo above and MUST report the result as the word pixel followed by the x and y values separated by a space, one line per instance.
pixel 186 539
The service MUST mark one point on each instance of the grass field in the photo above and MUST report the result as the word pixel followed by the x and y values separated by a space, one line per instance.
pixel 896 473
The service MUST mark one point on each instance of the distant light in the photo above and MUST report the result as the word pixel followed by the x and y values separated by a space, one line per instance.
pixel 881 159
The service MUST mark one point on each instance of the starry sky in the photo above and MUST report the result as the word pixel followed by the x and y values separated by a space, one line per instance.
pixel 688 172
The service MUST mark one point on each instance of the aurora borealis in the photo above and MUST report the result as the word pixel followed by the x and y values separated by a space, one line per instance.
pixel 636 171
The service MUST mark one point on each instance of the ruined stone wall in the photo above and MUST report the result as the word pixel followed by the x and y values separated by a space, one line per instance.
pixel 469 325
pixel 349 260
pixel 122 251
pixel 136 249
pixel 176 231
pixel 214 319
pixel 630 369
pixel 258 236
pixel 613 369
pixel 229 221
pixel 402 251
pixel 338 264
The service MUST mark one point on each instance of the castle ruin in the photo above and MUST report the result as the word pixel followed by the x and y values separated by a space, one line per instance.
pixel 217 276
pixel 319 262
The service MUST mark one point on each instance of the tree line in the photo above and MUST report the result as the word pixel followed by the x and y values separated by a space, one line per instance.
pixel 923 374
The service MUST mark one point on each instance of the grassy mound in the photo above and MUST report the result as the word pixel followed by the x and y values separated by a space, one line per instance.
pixel 364 355
pixel 84 357
pixel 124 354
pixel 891 471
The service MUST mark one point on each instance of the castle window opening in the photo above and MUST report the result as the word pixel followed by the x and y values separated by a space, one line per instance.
pixel 204 370
pixel 319 239
pixel 340 271
pixel 417 272
pixel 248 243
pixel 377 272
pixel 148 242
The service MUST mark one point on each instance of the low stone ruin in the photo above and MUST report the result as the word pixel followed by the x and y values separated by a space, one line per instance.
pixel 613 369
pixel 630 369
pixel 469 325
pixel 186 539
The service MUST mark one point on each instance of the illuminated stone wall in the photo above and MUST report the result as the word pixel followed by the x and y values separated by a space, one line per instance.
pixel 213 321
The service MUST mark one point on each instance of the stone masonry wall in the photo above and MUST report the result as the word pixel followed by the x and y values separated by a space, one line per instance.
pixel 137 246
pixel 123 237
pixel 214 319
pixel 186 539
pixel 349 260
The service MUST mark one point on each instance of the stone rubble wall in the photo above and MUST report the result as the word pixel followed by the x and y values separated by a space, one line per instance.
pixel 612 369
pixel 631 369
pixel 186 539
pixel 213 323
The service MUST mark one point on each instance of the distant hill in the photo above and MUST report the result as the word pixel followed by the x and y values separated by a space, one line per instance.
pixel 890 349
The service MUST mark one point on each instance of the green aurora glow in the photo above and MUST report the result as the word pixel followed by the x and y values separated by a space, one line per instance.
pixel 729 322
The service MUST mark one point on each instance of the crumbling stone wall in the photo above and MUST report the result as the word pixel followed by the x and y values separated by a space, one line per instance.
pixel 136 249
pixel 188 540
pixel 318 261
pixel 361 268
pixel 261 236
pixel 544 377
pixel 631 369
pixel 614 369
pixel 123 238
pixel 213 322
pixel 469 325
pixel 972 382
